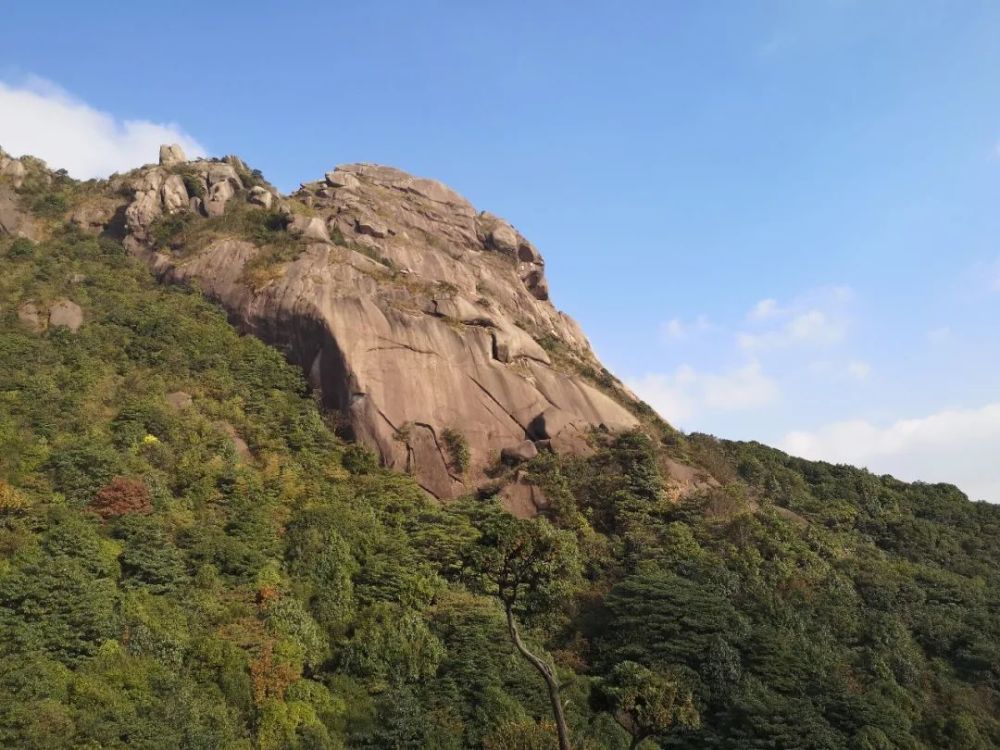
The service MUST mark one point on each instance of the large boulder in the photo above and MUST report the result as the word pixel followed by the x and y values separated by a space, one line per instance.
pixel 308 228
pixel 174 194
pixel 14 220
pixel 372 226
pixel 341 179
pixel 523 451
pixel 170 154
pixel 32 317
pixel 503 238
pixel 66 314
pixel 523 499
pixel 261 197
pixel 15 171
pixel 219 194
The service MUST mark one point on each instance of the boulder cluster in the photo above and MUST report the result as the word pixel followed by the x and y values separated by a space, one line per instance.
pixel 203 187
pixel 62 313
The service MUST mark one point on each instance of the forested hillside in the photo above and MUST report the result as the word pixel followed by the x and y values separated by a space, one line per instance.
pixel 190 558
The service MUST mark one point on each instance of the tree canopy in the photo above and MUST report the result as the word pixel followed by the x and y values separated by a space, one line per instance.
pixel 163 585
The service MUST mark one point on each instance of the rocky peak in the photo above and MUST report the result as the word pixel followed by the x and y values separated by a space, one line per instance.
pixel 424 323
pixel 171 153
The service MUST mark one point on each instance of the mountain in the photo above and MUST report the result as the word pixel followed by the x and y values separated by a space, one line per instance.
pixel 416 317
pixel 412 510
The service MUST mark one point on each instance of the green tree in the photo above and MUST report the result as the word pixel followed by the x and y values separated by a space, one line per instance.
pixel 645 703
pixel 528 565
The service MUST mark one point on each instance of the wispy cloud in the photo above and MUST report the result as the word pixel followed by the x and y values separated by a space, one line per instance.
pixel 43 120
pixel 810 328
pixel 766 308
pixel 953 445
pixel 772 336
pixel 685 393
pixel 676 329
pixel 817 319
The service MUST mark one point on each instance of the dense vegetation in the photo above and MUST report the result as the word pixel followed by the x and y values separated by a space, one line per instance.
pixel 189 558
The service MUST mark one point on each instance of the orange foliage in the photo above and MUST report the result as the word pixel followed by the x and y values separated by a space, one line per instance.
pixel 270 677
pixel 122 495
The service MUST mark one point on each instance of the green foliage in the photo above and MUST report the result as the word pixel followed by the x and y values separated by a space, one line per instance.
pixel 458 449
pixel 525 564
pixel 193 184
pixel 525 734
pixel 168 231
pixel 21 247
pixel 303 597
pixel 49 205
pixel 645 703
pixel 358 459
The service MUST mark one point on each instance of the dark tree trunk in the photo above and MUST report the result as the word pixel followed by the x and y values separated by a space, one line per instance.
pixel 551 681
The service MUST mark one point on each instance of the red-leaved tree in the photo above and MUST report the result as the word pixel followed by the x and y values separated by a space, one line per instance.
pixel 120 496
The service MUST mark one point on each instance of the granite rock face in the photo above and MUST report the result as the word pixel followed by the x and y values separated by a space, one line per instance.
pixel 413 314
pixel 13 219
pixel 171 153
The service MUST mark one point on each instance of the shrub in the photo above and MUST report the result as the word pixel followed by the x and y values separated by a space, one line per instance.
pixel 194 186
pixel 11 499
pixel 458 449
pixel 523 734
pixel 357 459
pixel 49 205
pixel 167 230
pixel 21 248
pixel 123 495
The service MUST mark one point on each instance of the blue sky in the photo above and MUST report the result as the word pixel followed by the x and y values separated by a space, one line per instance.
pixel 776 220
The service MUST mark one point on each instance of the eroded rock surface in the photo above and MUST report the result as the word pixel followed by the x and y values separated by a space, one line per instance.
pixel 410 311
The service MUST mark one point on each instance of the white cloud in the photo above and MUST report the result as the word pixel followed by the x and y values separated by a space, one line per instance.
pixel 957 445
pixel 818 319
pixel 40 119
pixel 810 328
pixel 676 329
pixel 686 393
pixel 764 309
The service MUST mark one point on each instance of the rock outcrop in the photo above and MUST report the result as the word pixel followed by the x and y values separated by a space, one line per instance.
pixel 171 153
pixel 66 314
pixel 14 220
pixel 419 319
pixel 62 313
pixel 13 169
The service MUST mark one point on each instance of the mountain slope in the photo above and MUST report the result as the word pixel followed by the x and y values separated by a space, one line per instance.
pixel 190 556
pixel 415 316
